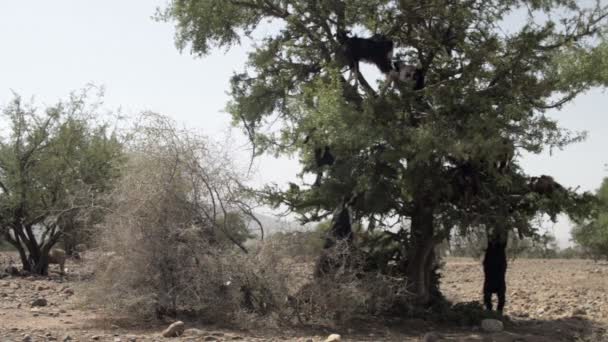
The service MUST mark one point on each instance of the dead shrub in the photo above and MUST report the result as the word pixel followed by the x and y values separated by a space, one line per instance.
pixel 349 292
pixel 162 250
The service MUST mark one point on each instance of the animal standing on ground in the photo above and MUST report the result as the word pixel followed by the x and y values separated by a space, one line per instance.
pixel 377 50
pixel 495 269
pixel 57 256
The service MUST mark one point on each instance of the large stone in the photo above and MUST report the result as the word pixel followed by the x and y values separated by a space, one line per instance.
pixel 174 330
pixel 39 302
pixel 333 338
pixel 491 325
pixel 193 332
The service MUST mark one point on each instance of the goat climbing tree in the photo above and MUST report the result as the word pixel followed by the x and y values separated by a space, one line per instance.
pixel 422 161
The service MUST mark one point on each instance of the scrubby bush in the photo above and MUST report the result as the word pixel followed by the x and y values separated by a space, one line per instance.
pixel 175 227
pixel 349 292
pixel 173 244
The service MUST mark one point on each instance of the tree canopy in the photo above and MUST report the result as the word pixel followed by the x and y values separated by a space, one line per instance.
pixel 54 164
pixel 592 234
pixel 424 161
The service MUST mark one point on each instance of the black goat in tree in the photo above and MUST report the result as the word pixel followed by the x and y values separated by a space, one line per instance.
pixel 545 185
pixel 406 73
pixel 377 50
pixel 323 157
pixel 495 269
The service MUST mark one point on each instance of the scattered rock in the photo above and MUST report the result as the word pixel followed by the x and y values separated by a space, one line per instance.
pixel 68 291
pixel 210 339
pixel 12 270
pixel 333 338
pixel 174 330
pixel 579 311
pixel 39 302
pixel 67 338
pixel 95 337
pixel 491 325
pixel 27 338
pixel 193 332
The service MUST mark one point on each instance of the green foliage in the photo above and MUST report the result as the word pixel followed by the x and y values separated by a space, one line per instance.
pixel 592 234
pixel 54 164
pixel 493 86
pixel 234 228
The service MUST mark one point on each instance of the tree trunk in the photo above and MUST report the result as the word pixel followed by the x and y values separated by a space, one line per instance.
pixel 340 232
pixel 420 255
pixel 23 256
pixel 34 258
pixel 41 264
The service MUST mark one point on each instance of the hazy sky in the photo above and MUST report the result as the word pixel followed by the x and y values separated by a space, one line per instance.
pixel 50 48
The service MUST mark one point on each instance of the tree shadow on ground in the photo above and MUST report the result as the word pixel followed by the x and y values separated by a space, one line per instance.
pixel 576 328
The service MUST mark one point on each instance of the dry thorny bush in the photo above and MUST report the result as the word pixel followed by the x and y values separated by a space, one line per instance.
pixel 161 256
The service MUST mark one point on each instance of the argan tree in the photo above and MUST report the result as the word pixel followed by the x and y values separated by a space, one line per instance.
pixel 416 163
pixel 592 234
pixel 54 165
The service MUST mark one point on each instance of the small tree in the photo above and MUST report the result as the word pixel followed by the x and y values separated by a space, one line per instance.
pixel 592 235
pixel 53 165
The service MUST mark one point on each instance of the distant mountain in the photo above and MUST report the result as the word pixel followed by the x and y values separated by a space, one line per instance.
pixel 273 224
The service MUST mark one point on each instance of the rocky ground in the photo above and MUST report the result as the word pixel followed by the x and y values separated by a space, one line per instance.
pixel 548 300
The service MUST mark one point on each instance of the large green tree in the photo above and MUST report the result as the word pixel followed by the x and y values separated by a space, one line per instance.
pixel 54 164
pixel 424 161
pixel 592 234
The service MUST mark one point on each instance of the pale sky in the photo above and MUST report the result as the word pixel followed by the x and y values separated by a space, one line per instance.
pixel 50 48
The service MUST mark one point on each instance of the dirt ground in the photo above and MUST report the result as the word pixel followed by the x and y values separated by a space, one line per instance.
pixel 548 300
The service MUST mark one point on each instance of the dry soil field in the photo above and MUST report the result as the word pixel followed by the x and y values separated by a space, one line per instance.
pixel 548 300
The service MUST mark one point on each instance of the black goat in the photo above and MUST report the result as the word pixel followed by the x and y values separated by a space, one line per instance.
pixel 377 50
pixel 323 157
pixel 495 269
pixel 545 185
pixel 406 73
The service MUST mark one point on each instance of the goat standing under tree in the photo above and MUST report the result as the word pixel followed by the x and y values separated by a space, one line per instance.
pixel 495 269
